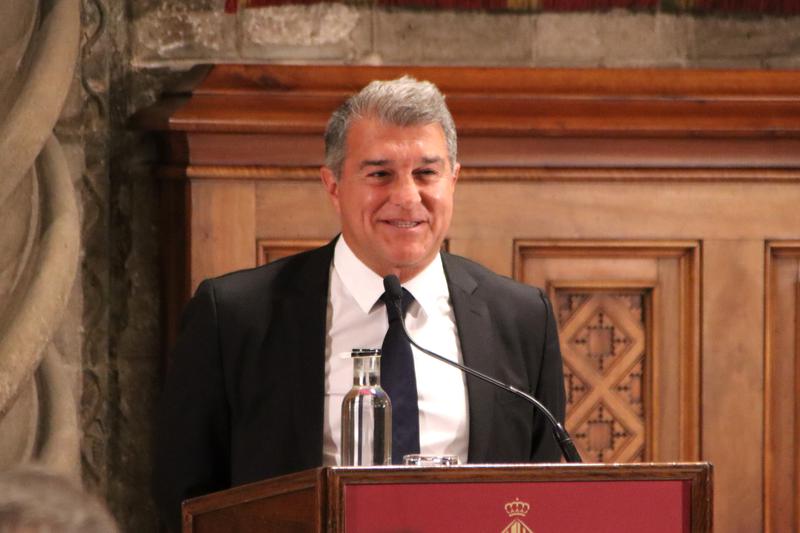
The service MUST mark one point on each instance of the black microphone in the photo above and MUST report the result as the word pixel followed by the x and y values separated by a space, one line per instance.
pixel 392 285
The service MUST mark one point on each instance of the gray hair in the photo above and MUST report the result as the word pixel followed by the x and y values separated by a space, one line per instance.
pixel 32 499
pixel 401 102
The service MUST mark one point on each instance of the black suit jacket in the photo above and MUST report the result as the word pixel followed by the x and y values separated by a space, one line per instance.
pixel 244 396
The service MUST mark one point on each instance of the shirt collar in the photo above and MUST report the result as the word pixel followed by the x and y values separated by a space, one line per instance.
pixel 427 287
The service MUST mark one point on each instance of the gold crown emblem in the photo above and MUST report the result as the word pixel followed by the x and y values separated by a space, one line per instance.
pixel 517 508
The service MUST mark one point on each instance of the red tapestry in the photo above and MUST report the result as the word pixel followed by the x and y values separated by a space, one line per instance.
pixel 773 7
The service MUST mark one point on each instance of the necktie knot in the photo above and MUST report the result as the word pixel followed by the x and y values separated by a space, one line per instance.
pixel 391 308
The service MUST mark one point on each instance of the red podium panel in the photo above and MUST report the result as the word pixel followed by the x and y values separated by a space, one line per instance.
pixel 596 506
pixel 656 498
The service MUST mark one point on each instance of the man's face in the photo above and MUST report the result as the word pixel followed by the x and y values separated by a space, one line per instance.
pixel 394 195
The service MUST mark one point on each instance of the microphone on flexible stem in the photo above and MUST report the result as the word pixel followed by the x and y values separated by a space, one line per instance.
pixel 392 285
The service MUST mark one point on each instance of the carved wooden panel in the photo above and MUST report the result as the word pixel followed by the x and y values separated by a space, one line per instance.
pixel 604 339
pixel 630 356
pixel 782 378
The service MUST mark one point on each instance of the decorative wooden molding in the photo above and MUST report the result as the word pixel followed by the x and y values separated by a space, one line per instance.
pixel 274 115
pixel 688 254
pixel 504 174
pixel 774 467
pixel 595 102
pixel 600 248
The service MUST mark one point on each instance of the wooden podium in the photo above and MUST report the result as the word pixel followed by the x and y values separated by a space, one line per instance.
pixel 595 498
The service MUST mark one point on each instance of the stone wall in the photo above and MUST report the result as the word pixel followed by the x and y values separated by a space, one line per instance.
pixel 107 348
pixel 199 31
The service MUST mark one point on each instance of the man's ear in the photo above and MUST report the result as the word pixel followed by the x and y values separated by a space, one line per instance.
pixel 331 185
pixel 456 170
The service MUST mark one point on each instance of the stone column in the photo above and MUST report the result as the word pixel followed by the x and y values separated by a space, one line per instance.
pixel 39 237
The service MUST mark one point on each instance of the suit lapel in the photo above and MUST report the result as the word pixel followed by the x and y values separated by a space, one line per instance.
pixel 475 333
pixel 303 312
pixel 304 309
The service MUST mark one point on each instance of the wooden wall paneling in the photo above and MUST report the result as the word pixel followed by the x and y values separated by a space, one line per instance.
pixel 733 379
pixel 255 149
pixel 781 381
pixel 490 214
pixel 663 160
pixel 690 291
pixel 643 271
pixel 269 250
pixel 289 209
pixel 222 229
pixel 269 149
pixel 599 153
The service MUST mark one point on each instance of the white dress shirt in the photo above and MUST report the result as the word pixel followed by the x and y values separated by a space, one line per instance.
pixel 356 318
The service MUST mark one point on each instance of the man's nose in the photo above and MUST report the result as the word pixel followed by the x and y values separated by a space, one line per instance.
pixel 405 190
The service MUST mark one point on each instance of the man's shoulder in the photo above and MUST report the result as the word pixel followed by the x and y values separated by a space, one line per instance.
pixel 487 281
pixel 276 277
pixel 514 306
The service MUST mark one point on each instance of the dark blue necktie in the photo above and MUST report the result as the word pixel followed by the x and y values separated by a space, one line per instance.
pixel 400 381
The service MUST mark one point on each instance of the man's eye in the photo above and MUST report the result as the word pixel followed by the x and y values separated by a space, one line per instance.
pixel 426 173
pixel 378 174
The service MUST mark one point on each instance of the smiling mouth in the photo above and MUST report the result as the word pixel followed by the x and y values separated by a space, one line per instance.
pixel 403 224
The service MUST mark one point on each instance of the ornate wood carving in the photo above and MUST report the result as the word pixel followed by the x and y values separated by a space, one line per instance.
pixel 616 343
pixel 604 342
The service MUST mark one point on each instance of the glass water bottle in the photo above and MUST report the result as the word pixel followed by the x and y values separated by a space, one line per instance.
pixel 366 414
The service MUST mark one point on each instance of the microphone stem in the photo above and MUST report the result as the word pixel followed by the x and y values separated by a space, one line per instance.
pixel 568 449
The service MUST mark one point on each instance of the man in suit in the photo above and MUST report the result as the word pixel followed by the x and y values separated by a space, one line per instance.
pixel 260 366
